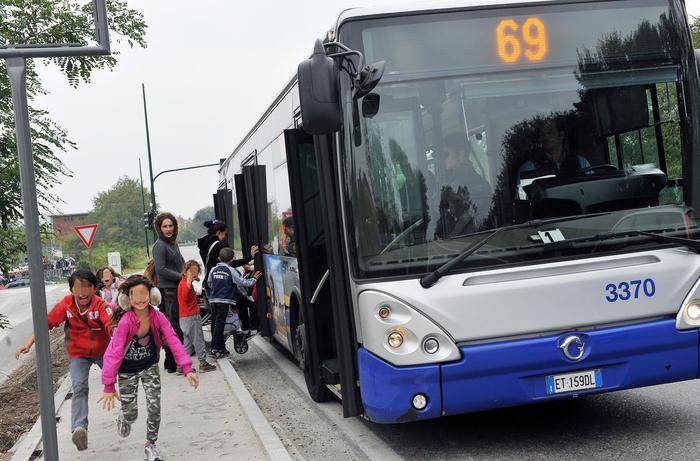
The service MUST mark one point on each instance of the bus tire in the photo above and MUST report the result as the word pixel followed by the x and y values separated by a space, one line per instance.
pixel 317 390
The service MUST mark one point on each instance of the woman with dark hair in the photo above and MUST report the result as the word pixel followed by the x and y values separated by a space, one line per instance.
pixel 211 244
pixel 168 263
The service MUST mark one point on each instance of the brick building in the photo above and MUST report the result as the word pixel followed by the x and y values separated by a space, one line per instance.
pixel 63 224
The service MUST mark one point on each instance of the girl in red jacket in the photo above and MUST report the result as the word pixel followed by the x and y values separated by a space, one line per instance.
pixel 133 355
pixel 89 325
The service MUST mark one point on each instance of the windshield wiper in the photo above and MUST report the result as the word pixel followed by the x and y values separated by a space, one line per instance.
pixel 691 244
pixel 431 279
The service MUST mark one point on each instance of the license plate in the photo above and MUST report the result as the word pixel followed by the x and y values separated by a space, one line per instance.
pixel 571 382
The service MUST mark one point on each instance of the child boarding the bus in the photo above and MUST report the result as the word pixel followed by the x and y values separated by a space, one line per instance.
pixel 133 355
pixel 224 282
pixel 190 320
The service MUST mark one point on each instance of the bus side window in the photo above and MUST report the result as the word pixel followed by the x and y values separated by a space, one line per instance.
pixel 658 144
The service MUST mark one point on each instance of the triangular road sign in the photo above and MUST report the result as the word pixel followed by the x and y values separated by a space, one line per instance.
pixel 87 233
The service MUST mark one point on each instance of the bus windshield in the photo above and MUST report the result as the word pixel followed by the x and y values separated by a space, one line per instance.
pixel 490 118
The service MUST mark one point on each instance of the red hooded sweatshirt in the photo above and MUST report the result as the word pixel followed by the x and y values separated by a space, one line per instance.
pixel 88 334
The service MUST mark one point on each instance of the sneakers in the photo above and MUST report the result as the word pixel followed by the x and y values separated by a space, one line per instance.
pixel 220 354
pixel 80 439
pixel 152 453
pixel 205 366
pixel 178 371
pixel 123 428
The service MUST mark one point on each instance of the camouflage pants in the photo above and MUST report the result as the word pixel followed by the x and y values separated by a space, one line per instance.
pixel 128 390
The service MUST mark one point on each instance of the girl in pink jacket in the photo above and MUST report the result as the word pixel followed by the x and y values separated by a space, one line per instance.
pixel 133 355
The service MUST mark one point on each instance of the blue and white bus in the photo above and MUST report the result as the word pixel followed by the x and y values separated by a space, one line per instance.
pixel 479 204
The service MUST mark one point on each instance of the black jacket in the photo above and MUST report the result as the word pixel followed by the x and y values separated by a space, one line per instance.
pixel 210 254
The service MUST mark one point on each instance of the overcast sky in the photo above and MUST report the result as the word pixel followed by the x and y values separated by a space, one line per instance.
pixel 210 71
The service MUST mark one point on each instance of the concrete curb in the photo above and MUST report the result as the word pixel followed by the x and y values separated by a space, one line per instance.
pixel 274 447
pixel 354 429
pixel 26 445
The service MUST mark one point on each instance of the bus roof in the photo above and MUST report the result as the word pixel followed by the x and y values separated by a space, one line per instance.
pixel 424 7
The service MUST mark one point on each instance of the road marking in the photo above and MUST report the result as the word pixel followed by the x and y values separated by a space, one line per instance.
pixel 268 437
pixel 359 434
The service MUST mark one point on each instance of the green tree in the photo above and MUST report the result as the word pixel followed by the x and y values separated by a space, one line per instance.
pixel 12 244
pixel 695 30
pixel 50 21
pixel 203 214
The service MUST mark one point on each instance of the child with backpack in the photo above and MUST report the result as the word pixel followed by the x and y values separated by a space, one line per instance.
pixel 224 282
pixel 88 323
pixel 133 356
pixel 190 320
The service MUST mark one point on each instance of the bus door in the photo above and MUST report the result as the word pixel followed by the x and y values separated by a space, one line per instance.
pixel 327 332
pixel 251 200
pixel 223 209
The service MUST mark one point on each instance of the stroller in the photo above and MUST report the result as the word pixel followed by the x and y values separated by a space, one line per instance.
pixel 232 328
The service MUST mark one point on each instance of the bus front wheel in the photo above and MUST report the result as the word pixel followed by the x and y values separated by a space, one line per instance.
pixel 317 389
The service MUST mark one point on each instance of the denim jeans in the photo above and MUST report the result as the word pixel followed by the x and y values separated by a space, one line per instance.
pixel 79 374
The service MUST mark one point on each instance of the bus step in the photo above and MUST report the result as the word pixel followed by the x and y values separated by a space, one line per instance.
pixel 329 371
pixel 335 389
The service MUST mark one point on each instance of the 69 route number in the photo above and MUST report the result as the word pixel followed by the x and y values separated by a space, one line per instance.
pixel 627 290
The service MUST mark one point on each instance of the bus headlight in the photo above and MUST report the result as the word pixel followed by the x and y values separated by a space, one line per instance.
pixel 400 334
pixel 384 312
pixel 395 339
pixel 691 312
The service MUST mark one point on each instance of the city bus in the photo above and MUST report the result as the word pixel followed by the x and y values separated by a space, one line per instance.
pixel 479 204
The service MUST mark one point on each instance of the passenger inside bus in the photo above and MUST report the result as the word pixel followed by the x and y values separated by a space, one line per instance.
pixel 465 196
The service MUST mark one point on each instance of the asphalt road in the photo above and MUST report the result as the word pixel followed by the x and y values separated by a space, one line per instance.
pixel 15 304
pixel 654 423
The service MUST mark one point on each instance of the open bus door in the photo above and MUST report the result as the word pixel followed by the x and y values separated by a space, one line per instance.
pixel 251 200
pixel 330 352
pixel 223 209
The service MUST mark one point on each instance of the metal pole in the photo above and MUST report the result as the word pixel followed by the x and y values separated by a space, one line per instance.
pixel 17 71
pixel 143 202
pixel 150 161
pixel 186 168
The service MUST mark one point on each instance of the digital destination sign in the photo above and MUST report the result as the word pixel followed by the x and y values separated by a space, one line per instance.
pixel 516 42
pixel 513 38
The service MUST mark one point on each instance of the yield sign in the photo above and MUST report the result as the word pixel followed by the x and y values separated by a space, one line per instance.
pixel 86 233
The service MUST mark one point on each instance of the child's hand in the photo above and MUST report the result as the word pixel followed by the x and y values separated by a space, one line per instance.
pixel 193 379
pixel 108 399
pixel 22 350
pixel 257 275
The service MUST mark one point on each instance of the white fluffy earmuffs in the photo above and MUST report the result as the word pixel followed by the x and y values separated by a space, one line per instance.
pixel 154 299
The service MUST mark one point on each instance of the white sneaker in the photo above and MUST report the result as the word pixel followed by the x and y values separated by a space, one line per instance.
pixel 152 453
pixel 123 428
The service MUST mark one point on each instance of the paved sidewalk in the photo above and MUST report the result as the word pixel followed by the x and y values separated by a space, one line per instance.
pixel 207 423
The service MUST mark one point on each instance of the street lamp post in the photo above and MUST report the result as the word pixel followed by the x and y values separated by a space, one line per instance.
pixel 150 160
pixel 143 202
pixel 15 56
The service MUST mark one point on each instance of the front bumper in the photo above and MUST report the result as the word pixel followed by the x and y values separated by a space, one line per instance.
pixel 514 372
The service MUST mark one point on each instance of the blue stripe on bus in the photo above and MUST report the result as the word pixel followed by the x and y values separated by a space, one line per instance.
pixel 521 371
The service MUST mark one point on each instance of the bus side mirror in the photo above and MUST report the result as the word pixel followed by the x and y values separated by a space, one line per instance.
pixel 370 105
pixel 369 77
pixel 318 93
